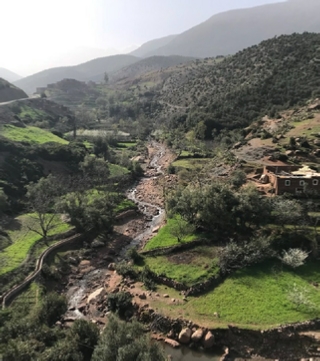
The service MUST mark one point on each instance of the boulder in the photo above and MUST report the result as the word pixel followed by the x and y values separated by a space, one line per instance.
pixel 172 343
pixel 112 267
pixel 197 335
pixel 95 294
pixel 185 336
pixel 208 340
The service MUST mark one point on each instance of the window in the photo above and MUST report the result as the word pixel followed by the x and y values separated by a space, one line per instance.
pixel 315 182
pixel 301 183
pixel 287 183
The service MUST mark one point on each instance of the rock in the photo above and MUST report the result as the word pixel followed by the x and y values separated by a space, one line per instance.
pixel 216 314
pixel 112 267
pixel 155 229
pixel 143 296
pixel 185 336
pixel 317 142
pixel 82 307
pixel 289 153
pixel 171 343
pixel 97 244
pixel 95 294
pixel 197 335
pixel 208 340
pixel 173 300
pixel 166 296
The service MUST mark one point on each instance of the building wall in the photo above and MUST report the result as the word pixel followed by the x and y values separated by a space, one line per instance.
pixel 281 187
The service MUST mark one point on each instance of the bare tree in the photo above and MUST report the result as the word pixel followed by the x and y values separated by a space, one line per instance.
pixel 42 198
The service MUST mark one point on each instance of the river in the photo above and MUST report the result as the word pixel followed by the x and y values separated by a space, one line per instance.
pixel 156 215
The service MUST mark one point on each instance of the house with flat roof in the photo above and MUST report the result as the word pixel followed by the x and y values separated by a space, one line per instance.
pixel 291 179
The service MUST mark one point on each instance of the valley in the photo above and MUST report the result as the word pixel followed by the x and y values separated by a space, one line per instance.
pixel 164 205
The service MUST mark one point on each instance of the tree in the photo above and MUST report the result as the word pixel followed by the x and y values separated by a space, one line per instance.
pixel 95 170
pixel 42 198
pixel 106 78
pixel 122 341
pixel 101 147
pixel 52 308
pixel 181 229
pixel 287 211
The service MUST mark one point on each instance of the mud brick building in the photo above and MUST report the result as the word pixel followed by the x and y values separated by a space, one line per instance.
pixel 291 179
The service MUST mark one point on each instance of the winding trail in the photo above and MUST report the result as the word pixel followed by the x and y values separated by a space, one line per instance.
pixel 13 292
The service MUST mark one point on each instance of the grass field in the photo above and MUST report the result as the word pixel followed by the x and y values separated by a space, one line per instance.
pixel 32 135
pixel 164 238
pixel 22 241
pixel 190 163
pixel 117 170
pixel 258 297
pixel 188 267
pixel 34 114
pixel 127 144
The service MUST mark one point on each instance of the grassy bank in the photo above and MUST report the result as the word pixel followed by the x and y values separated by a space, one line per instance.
pixel 31 135
pixel 164 238
pixel 22 240
pixel 260 297
pixel 188 267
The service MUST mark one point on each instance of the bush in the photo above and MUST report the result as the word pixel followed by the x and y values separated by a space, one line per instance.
pixel 119 302
pixel 294 257
pixel 124 269
pixel 148 277
pixel 133 254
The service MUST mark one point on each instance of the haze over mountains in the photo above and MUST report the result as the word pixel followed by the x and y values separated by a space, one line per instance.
pixel 231 31
pixel 9 75
pixel 222 34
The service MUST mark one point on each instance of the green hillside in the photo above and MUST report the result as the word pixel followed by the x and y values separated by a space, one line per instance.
pixel 28 134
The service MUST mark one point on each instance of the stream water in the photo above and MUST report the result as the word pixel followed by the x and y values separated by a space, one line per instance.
pixel 75 294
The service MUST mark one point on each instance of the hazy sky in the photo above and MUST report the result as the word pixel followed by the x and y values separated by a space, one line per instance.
pixel 38 34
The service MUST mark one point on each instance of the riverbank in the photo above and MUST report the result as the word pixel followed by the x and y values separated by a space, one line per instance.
pixel 92 278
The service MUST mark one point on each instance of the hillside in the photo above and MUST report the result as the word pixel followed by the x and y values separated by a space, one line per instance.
pixel 91 70
pixel 9 75
pixel 147 65
pixel 262 79
pixel 229 32
pixel 38 112
pixel 10 92
pixel 152 45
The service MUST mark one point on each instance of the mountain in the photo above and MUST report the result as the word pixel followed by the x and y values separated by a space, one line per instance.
pixel 10 92
pixel 152 46
pixel 91 70
pixel 263 79
pixel 147 65
pixel 9 75
pixel 231 31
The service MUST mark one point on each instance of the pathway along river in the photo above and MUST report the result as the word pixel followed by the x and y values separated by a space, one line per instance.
pixel 156 215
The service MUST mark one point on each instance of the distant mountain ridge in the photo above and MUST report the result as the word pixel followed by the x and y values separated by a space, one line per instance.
pixel 92 70
pixel 10 92
pixel 152 46
pixel 234 30
pixel 147 65
pixel 9 75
